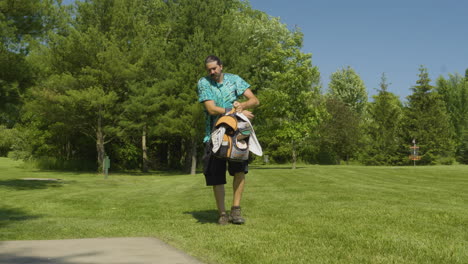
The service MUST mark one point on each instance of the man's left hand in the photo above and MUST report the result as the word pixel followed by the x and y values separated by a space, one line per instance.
pixel 248 114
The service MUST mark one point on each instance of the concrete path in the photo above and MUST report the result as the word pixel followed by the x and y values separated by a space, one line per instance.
pixel 93 250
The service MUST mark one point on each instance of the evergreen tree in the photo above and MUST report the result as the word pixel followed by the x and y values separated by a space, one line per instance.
pixel 454 92
pixel 384 128
pixel 346 86
pixel 427 121
pixel 339 132
pixel 195 31
pixel 88 72
pixel 125 72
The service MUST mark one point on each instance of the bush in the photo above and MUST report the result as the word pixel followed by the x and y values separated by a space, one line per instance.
pixel 52 163
pixel 427 159
pixel 445 160
pixel 6 140
pixel 19 155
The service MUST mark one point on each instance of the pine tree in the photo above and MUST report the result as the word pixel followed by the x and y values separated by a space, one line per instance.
pixel 88 71
pixel 339 131
pixel 427 121
pixel 347 87
pixel 384 129
pixel 454 92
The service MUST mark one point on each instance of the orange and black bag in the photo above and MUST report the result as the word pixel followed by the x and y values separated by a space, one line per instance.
pixel 234 144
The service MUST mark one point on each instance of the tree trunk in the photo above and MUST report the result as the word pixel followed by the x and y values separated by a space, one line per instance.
pixel 100 146
pixel 144 149
pixel 294 156
pixel 68 149
pixel 194 158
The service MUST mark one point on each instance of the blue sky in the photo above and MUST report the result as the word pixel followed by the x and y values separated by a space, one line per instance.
pixel 373 37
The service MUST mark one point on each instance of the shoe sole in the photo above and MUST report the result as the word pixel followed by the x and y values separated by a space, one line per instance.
pixel 237 222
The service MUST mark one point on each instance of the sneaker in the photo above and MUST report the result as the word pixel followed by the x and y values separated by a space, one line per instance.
pixel 236 215
pixel 223 219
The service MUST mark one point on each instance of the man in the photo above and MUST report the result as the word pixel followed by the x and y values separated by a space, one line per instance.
pixel 219 93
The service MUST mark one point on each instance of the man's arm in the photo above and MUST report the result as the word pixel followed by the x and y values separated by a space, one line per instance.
pixel 212 109
pixel 251 102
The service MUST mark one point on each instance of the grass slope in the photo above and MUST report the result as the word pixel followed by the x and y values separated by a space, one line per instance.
pixel 315 214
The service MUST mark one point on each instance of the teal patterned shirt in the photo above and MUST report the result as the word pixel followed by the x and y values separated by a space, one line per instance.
pixel 223 94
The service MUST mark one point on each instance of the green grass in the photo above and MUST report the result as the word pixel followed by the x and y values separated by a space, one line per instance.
pixel 315 214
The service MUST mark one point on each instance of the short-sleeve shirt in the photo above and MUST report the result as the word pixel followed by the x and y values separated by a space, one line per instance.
pixel 223 94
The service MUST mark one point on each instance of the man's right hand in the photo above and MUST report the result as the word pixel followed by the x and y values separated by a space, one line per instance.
pixel 238 106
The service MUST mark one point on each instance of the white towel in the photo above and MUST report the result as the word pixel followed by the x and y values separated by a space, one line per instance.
pixel 254 145
pixel 217 138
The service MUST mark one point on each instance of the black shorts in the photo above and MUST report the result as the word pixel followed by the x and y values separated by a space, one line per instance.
pixel 214 168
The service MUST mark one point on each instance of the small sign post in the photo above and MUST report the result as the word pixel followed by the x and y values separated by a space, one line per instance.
pixel 106 166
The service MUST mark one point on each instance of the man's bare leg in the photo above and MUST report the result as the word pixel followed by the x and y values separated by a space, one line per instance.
pixel 238 188
pixel 219 196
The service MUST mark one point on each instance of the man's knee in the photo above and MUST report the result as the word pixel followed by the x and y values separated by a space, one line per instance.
pixel 239 175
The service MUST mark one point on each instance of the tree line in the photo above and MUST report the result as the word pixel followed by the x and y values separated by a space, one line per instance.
pixel 118 78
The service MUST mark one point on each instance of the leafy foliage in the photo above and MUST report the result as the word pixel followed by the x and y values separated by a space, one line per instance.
pixel 346 85
pixel 22 24
pixel 118 77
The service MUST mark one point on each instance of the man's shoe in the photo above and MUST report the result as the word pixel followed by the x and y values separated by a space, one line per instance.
pixel 236 215
pixel 223 219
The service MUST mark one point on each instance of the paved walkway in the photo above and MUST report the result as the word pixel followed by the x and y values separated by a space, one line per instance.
pixel 94 250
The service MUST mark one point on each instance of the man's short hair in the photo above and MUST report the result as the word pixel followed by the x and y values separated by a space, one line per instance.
pixel 212 58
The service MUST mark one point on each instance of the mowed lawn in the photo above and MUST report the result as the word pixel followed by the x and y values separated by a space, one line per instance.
pixel 314 214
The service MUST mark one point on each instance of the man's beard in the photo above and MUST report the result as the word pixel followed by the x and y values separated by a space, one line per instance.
pixel 216 76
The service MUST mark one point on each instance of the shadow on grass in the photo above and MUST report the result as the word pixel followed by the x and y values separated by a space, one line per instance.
pixel 22 256
pixel 205 216
pixel 18 184
pixel 272 167
pixel 8 215
pixel 151 173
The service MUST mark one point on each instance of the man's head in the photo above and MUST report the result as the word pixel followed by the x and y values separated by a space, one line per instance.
pixel 214 67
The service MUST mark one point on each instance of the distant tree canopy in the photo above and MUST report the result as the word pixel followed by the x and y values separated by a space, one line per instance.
pixel 118 78
pixel 22 23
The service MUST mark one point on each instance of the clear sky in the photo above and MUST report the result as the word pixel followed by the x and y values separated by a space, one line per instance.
pixel 375 36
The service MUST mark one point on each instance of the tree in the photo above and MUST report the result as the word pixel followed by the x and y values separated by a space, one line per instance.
pixel 125 71
pixel 22 23
pixel 194 33
pixel 346 85
pixel 427 121
pixel 144 104
pixel 89 71
pixel 339 131
pixel 454 92
pixel 288 106
pixel 384 130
